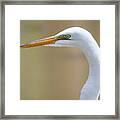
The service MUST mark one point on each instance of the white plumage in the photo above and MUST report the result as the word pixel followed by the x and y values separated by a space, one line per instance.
pixel 84 40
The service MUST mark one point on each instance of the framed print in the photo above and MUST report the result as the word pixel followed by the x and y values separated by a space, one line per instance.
pixel 59 59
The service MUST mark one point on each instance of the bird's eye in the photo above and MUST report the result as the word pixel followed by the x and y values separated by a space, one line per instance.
pixel 64 37
pixel 67 36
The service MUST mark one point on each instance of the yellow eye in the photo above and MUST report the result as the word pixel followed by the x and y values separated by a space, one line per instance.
pixel 67 36
pixel 64 37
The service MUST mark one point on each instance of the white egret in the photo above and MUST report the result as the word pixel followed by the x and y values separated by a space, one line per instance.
pixel 80 38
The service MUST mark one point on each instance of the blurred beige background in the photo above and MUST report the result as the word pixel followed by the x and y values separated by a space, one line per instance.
pixel 48 73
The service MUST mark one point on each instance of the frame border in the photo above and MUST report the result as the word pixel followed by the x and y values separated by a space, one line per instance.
pixel 2 60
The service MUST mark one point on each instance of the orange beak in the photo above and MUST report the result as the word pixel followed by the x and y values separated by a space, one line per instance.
pixel 44 41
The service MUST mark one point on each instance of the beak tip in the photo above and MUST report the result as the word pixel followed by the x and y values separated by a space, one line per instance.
pixel 23 46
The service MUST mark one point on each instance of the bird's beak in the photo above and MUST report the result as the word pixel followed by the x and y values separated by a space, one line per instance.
pixel 41 42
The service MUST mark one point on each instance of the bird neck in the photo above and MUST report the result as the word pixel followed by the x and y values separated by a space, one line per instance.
pixel 90 90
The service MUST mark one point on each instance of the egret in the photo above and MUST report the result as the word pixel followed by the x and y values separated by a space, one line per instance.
pixel 80 38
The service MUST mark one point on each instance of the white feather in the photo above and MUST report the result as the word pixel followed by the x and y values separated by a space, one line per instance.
pixel 84 40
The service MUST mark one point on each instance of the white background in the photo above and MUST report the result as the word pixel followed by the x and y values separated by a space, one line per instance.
pixel 13 15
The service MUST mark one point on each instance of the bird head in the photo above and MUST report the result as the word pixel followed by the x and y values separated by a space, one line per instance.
pixel 68 37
